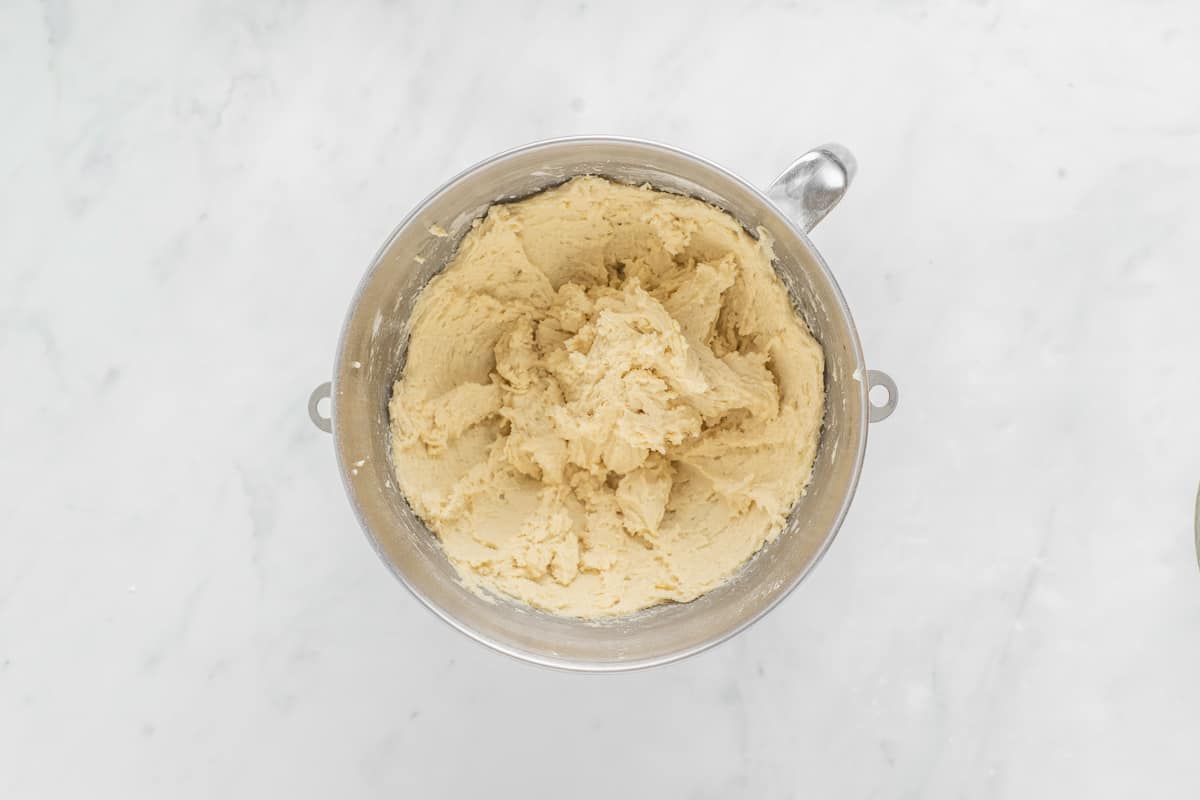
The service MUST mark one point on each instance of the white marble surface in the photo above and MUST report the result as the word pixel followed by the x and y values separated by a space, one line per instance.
pixel 190 193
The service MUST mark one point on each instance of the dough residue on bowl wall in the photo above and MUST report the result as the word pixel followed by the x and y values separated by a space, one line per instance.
pixel 609 401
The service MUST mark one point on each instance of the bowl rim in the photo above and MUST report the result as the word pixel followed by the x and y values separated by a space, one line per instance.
pixel 341 367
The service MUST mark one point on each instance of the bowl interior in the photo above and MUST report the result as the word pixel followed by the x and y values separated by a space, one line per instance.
pixel 372 353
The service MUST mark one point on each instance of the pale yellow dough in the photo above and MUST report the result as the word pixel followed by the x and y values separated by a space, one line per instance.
pixel 609 401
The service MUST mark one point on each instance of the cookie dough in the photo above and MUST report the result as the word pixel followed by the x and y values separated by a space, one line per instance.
pixel 609 401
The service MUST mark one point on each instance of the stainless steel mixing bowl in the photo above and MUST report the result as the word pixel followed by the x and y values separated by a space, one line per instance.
pixel 372 350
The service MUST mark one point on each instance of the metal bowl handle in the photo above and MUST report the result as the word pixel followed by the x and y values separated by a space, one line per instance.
pixel 880 412
pixel 805 193
pixel 813 184
pixel 320 393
